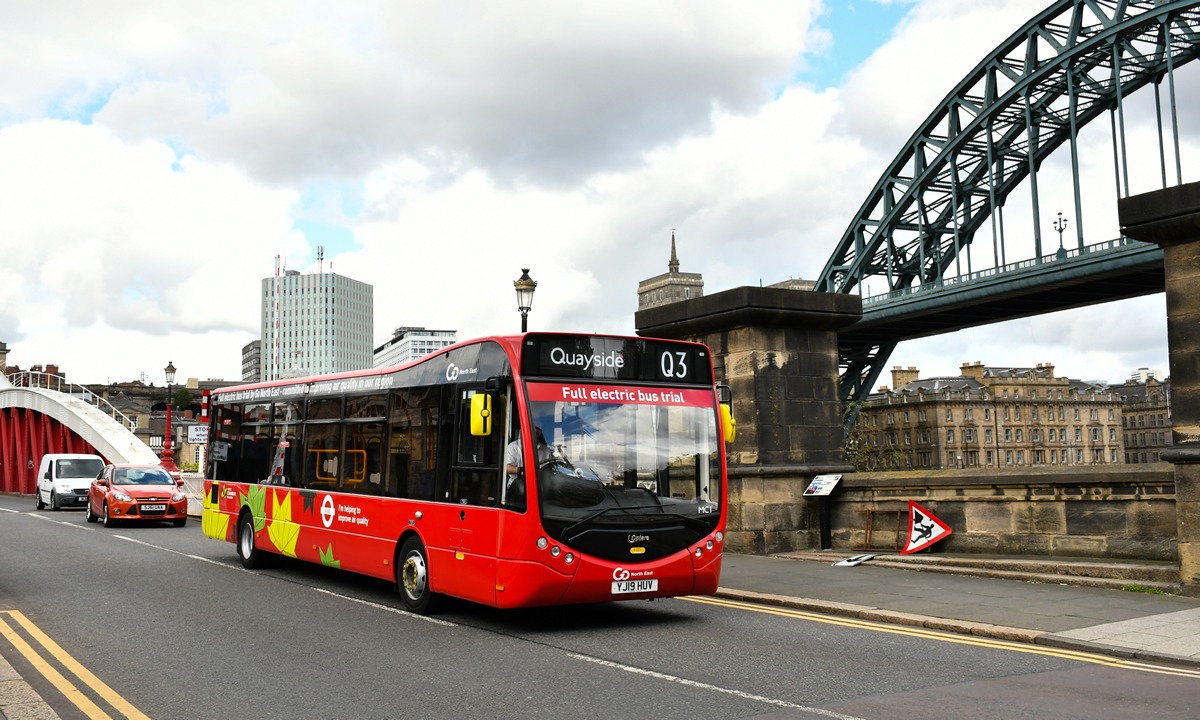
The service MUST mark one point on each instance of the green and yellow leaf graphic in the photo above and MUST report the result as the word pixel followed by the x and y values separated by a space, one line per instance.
pixel 215 524
pixel 282 531
pixel 256 498
pixel 327 558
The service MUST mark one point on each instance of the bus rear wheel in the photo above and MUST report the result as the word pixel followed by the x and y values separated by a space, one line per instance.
pixel 247 550
pixel 412 577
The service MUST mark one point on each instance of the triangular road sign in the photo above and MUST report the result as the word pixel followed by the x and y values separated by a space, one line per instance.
pixel 923 529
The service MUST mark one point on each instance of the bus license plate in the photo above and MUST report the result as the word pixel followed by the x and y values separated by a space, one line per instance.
pixel 634 586
pixel 154 507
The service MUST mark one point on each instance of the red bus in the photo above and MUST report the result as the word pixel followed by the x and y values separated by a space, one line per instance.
pixel 517 471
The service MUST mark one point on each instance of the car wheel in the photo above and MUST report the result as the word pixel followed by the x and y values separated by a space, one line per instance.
pixel 412 577
pixel 179 522
pixel 89 515
pixel 108 521
pixel 37 499
pixel 247 549
pixel 54 501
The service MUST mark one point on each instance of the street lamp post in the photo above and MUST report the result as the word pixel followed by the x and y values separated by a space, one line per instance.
pixel 525 286
pixel 168 463
pixel 1060 225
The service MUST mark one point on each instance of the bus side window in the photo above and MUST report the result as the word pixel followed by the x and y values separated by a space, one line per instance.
pixel 322 455
pixel 227 441
pixel 476 475
pixel 412 443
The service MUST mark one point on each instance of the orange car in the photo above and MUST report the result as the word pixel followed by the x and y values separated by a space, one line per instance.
pixel 136 492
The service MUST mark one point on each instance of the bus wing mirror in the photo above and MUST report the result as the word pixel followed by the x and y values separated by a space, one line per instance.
pixel 728 425
pixel 492 384
pixel 481 414
pixel 724 394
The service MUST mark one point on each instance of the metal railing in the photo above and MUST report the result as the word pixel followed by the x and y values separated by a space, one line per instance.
pixel 1059 256
pixel 57 383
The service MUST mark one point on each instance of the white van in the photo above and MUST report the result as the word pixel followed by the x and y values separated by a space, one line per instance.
pixel 63 480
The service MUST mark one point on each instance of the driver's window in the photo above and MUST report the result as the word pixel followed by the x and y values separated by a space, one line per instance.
pixel 476 474
pixel 512 493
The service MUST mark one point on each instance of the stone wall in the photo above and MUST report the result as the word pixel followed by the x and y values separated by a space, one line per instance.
pixel 1118 511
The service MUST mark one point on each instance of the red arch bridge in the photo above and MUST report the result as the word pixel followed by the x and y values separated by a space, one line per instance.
pixel 42 414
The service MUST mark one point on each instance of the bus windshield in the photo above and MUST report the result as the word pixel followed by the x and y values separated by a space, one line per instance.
pixel 628 456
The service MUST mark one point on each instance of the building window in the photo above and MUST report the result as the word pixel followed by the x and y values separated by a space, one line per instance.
pixel 1016 394
pixel 905 417
pixel 1020 457
pixel 1020 435
pixel 1060 410
pixel 968 436
pixel 1112 434
pixel 1053 437
pixel 987 435
pixel 989 457
pixel 1033 415
pixel 972 457
pixel 1097 456
pixel 987 413
pixel 949 415
pixel 891 419
pixel 1053 457
pixel 921 415
pixel 1079 456
pixel 1033 394
pixel 1110 414
pixel 907 437
pixel 967 414
pixel 1095 415
pixel 1006 412
pixel 1154 457
pixel 1076 413
pixel 1008 457
pixel 1007 435
pixel 1039 456
pixel 1017 412
pixel 1005 394
pixel 1114 455
pixel 1079 436
pixel 1095 434
pixel 950 435
pixel 1035 435
pixel 1141 421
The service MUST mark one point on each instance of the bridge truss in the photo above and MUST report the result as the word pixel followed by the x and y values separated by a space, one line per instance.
pixel 1066 67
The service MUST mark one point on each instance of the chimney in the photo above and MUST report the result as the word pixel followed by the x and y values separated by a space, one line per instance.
pixel 973 371
pixel 900 378
pixel 1048 368
pixel 883 388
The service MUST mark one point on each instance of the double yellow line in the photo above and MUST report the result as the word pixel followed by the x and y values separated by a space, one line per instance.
pixel 946 637
pixel 56 678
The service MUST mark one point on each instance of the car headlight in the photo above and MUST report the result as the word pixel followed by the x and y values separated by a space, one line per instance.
pixel 65 489
pixel 177 497
pixel 122 496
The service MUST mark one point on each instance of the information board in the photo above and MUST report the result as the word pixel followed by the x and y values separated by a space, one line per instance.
pixel 822 485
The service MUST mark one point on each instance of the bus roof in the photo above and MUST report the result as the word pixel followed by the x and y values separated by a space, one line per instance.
pixel 512 343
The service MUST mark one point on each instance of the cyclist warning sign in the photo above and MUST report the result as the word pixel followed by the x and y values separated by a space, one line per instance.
pixel 923 529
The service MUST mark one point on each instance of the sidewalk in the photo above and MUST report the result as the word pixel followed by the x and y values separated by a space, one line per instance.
pixel 19 701
pixel 1113 622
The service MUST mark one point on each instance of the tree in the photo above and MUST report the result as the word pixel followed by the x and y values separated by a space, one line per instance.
pixel 869 451
pixel 183 398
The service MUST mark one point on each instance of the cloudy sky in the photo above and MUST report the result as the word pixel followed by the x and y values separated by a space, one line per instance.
pixel 155 157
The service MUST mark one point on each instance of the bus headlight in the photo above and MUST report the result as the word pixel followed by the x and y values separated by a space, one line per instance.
pixel 720 536
pixel 570 558
pixel 699 552
pixel 555 551
pixel 708 545
pixel 542 543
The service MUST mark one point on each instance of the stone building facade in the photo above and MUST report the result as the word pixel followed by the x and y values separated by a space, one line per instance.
pixel 995 417
pixel 1145 419
pixel 672 286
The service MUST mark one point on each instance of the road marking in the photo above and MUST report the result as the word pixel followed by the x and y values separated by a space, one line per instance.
pixel 227 566
pixel 388 608
pixel 947 637
pixel 714 688
pixel 65 686
pixel 11 511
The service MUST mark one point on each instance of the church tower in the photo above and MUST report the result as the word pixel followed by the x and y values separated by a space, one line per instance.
pixel 671 286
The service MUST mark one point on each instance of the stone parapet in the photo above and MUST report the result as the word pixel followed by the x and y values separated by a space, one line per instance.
pixel 1112 511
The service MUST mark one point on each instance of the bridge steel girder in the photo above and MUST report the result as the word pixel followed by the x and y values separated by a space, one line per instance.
pixel 975 148
pixel 984 116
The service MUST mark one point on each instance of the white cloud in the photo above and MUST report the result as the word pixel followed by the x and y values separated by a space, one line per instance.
pixel 568 138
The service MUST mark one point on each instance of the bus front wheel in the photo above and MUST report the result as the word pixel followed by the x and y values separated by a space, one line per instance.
pixel 412 577
pixel 247 549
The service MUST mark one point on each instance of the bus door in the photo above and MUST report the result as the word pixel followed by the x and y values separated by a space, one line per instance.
pixel 472 494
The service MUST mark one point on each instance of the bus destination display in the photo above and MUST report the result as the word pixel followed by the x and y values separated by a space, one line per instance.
pixel 614 358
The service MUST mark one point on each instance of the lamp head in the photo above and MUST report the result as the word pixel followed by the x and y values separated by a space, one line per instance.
pixel 525 286
pixel 170 372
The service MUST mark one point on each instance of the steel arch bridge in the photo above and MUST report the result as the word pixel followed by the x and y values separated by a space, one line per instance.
pixel 1063 69
pixel 35 421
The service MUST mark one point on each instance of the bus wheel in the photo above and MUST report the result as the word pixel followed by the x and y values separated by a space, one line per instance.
pixel 251 556
pixel 412 577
